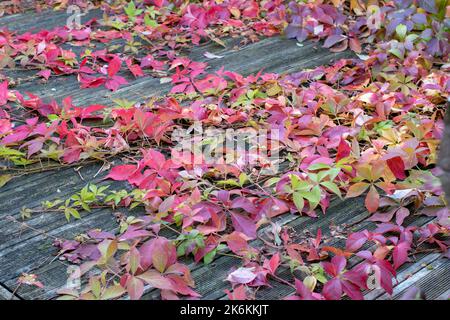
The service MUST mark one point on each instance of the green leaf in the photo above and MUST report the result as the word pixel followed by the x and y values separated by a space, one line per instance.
pixel 313 196
pixel 243 178
pixel 401 31
pixel 181 248
pixel 318 166
pixel 150 22
pixel 85 206
pixel 131 10
pixel 95 287
pixel 396 52
pixel 332 187
pixel 298 201
pixel 271 181
pixel 228 182
pixel 298 184
pixel 53 117
pixel 209 257
pixel 310 282
pixel 71 212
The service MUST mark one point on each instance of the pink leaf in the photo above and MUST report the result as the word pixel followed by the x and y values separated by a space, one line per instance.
pixel 156 280
pixel 400 254
pixel 401 214
pixel 242 275
pixel 45 74
pixel 355 241
pixel 3 93
pixel 333 289
pixel 135 288
pixel 244 224
pixel 372 200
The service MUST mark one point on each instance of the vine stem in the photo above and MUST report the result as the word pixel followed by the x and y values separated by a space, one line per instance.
pixel 12 219
pixel 13 294
pixel 277 278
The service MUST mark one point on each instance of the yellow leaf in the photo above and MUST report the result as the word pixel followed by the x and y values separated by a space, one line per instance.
pixel 273 90
pixel 4 179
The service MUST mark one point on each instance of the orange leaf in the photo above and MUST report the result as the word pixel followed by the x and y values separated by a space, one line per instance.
pixel 357 189
pixel 372 200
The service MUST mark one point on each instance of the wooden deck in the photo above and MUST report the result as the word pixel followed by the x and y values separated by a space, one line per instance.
pixel 26 250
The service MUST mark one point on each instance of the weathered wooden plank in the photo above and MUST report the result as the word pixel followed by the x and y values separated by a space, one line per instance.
pixel 38 250
pixel 210 282
pixel 24 250
pixel 5 294
pixel 406 272
pixel 444 156
pixel 279 290
pixel 433 280
pixel 294 58
pixel 54 275
pixel 30 194
pixel 264 54
pixel 32 21
pixel 24 190
pixel 445 295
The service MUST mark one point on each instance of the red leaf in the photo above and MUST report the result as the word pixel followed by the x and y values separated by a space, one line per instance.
pixel 122 172
pixel 88 111
pixel 333 39
pixel 134 68
pixel 237 242
pixel 336 266
pixel 357 189
pixel 352 290
pixel 158 3
pixel 114 66
pixel 303 291
pixel 115 82
pixel 163 254
pixel 397 167
pixel 273 264
pixel 343 150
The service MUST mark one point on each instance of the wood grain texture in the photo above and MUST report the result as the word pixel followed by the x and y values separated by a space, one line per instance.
pixel 444 156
